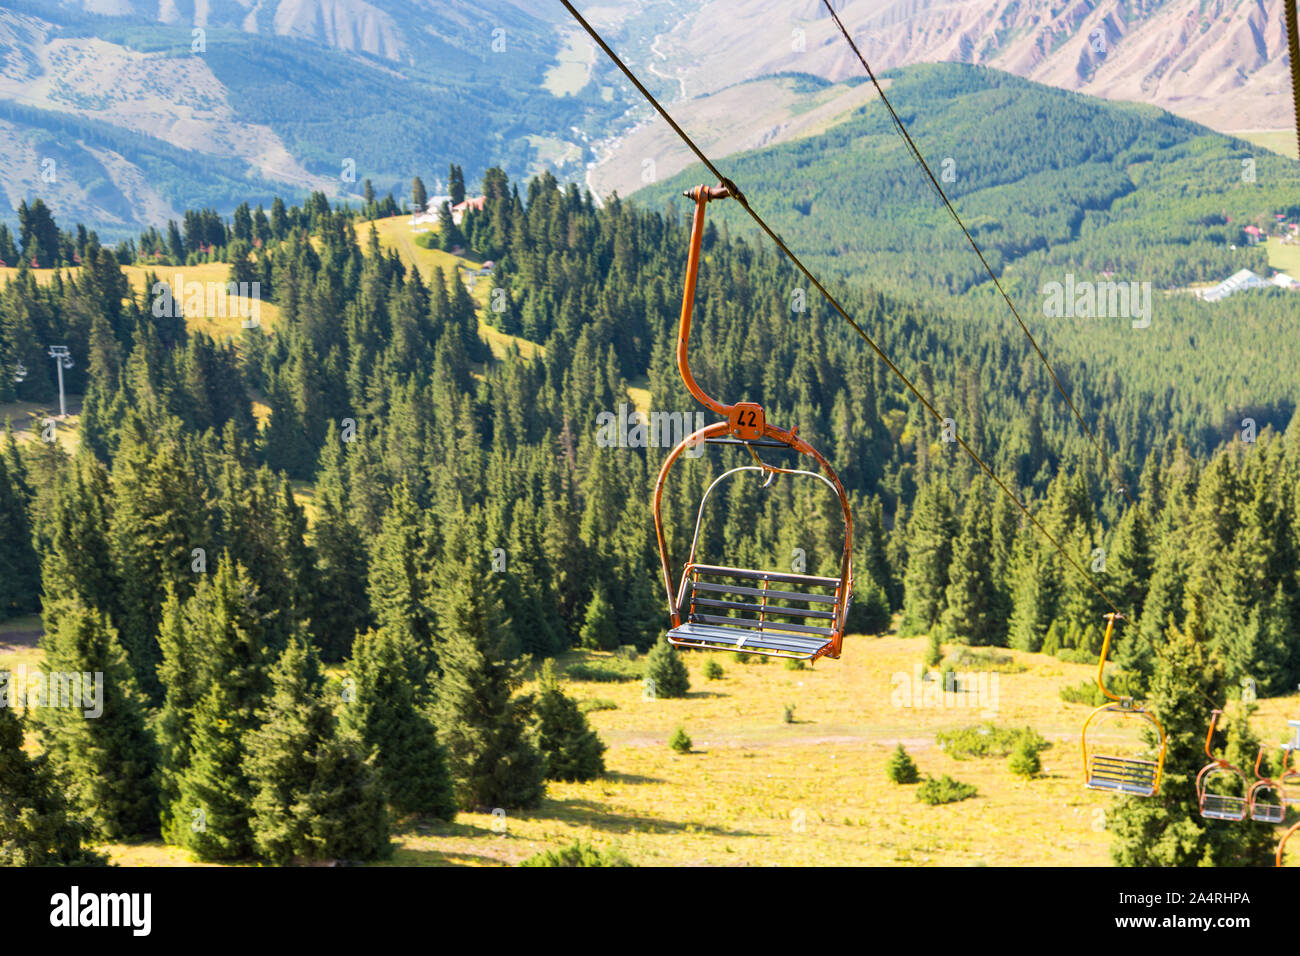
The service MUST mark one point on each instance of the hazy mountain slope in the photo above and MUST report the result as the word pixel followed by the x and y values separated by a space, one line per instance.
pixel 1220 62
pixel 1046 181
pixel 304 94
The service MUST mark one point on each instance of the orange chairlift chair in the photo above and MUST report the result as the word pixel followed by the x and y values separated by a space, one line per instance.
pixel 1110 770
pixel 1265 795
pixel 720 607
pixel 1289 779
pixel 1281 846
pixel 1220 806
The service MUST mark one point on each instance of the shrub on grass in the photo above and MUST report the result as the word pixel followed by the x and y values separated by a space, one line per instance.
pixel 1024 762
pixel 664 667
pixel 901 768
pixel 680 742
pixel 943 790
pixel 988 741
pixel 577 853
pixel 934 651
pixel 712 670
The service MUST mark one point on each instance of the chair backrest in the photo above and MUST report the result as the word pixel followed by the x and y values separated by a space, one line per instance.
pixel 759 600
pixel 797 588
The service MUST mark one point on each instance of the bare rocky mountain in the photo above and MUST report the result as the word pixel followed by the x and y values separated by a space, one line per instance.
pixel 286 94
pixel 1218 62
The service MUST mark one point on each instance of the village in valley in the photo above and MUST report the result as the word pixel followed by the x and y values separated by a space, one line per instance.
pixel 1286 233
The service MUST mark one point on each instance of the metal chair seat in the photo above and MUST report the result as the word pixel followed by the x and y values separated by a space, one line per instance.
pixel 751 611
pixel 771 642
pixel 1219 806
pixel 1267 812
pixel 1127 775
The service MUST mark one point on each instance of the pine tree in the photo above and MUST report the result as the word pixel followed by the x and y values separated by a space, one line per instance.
pixel 599 629
pixel 665 670
pixel 483 725
pixel 929 532
pixel 99 747
pixel 970 601
pixel 36 828
pixel 214 659
pixel 19 568
pixel 315 797
pixel 384 708
pixel 1167 829
pixel 901 768
pixel 572 749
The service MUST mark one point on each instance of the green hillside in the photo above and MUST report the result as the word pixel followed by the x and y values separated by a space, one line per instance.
pixel 1044 180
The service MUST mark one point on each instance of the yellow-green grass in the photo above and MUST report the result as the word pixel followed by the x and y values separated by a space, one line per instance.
pixel 18 643
pixel 396 232
pixel 572 69
pixel 1285 257
pixel 198 317
pixel 29 419
pixel 759 791
pixel 304 492
pixel 19 655
pixel 1277 140
pixel 638 392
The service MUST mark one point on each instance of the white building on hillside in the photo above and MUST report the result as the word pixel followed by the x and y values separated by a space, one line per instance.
pixel 1244 279
pixel 430 211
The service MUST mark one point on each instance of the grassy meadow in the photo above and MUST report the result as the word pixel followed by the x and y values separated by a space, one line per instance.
pixel 756 790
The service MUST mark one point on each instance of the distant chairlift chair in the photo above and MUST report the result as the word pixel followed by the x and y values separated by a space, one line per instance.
pixel 1265 796
pixel 719 606
pixel 1219 806
pixel 1112 771
pixel 1289 780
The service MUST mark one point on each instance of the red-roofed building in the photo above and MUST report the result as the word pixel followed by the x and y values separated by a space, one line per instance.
pixel 458 211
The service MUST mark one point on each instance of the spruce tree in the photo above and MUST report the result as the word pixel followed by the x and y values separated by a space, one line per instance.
pixel 572 749
pixel 214 674
pixel 1187 683
pixel 665 669
pixel 399 570
pixel 315 796
pixel 99 747
pixel 36 827
pixel 929 548
pixel 384 707
pixel 482 723
pixel 599 628
pixel 901 768
pixel 19 567
pixel 342 605
pixel 970 614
